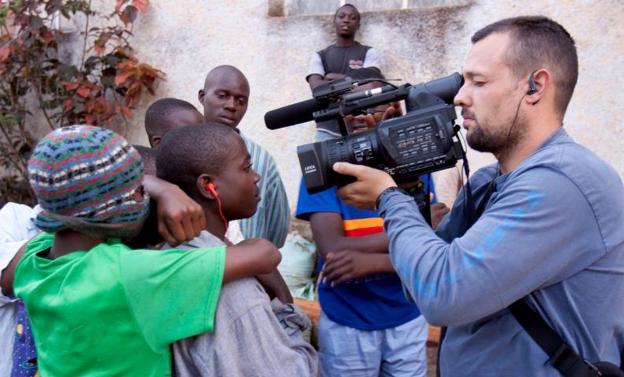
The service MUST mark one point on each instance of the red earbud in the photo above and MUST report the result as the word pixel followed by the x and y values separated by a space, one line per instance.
pixel 212 189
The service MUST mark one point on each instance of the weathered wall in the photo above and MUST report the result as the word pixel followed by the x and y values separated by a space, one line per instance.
pixel 186 38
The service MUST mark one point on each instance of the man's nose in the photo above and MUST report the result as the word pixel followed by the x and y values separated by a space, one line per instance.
pixel 230 104
pixel 461 98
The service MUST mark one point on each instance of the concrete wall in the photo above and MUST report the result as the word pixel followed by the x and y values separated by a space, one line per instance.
pixel 186 38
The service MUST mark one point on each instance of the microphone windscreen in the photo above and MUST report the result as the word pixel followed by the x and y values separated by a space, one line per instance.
pixel 296 113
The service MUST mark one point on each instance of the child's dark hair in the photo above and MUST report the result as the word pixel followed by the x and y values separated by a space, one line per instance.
pixel 157 113
pixel 189 151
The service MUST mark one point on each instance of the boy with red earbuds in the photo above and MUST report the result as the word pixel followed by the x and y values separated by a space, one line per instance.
pixel 253 336
pixel 78 281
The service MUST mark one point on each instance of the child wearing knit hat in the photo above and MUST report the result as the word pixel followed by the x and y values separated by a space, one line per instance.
pixel 96 306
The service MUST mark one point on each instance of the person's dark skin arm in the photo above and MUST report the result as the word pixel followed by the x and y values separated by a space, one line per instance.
pixel 272 282
pixel 327 228
pixel 246 259
pixel 346 265
pixel 249 258
pixel 275 286
pixel 348 257
pixel 8 273
pixel 315 80
pixel 334 76
pixel 180 218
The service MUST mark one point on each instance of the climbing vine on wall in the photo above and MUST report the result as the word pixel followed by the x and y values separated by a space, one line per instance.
pixel 51 75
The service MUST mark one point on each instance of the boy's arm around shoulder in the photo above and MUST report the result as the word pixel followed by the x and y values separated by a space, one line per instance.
pixel 174 293
pixel 249 258
pixel 179 217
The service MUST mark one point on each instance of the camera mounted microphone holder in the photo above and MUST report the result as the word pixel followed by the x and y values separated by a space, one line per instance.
pixel 358 102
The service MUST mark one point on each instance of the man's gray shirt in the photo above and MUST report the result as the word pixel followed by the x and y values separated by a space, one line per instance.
pixel 553 230
pixel 252 336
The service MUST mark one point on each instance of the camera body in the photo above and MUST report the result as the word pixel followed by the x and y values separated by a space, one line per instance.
pixel 406 147
pixel 420 142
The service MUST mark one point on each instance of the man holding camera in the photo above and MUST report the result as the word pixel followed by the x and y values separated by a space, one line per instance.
pixel 546 225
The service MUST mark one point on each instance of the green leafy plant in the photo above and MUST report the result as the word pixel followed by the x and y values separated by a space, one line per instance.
pixel 99 83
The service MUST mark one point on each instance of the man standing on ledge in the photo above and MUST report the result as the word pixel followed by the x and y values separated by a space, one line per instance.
pixel 337 60
pixel 225 97
pixel 551 225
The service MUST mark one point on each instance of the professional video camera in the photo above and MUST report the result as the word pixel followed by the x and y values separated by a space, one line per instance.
pixel 419 142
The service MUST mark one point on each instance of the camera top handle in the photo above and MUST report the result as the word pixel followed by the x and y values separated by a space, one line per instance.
pixel 342 103
pixel 358 102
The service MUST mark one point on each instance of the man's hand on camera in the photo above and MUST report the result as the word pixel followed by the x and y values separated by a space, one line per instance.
pixel 370 183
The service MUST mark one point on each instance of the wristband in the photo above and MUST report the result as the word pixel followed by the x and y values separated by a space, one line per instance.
pixel 386 191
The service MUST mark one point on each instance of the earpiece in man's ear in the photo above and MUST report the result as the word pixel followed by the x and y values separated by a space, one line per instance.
pixel 532 85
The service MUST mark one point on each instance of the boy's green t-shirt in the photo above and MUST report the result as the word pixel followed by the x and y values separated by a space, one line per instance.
pixel 113 310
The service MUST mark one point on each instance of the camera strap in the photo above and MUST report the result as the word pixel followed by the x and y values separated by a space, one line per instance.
pixel 561 356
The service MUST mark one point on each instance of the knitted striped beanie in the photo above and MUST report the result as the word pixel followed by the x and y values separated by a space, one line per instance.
pixel 86 175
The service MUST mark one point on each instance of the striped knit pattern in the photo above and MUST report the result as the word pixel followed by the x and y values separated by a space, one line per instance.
pixel 86 172
pixel 272 219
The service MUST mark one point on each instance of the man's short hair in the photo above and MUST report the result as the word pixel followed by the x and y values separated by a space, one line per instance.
pixel 537 42
pixel 157 113
pixel 187 152
pixel 348 5
pixel 224 68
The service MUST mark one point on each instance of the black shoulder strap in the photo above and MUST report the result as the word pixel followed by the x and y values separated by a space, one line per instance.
pixel 562 357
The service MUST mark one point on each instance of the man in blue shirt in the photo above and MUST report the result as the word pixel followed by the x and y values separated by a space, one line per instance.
pixel 552 230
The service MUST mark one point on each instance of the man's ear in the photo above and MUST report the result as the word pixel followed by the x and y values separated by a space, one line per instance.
pixel 203 184
pixel 200 95
pixel 541 81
